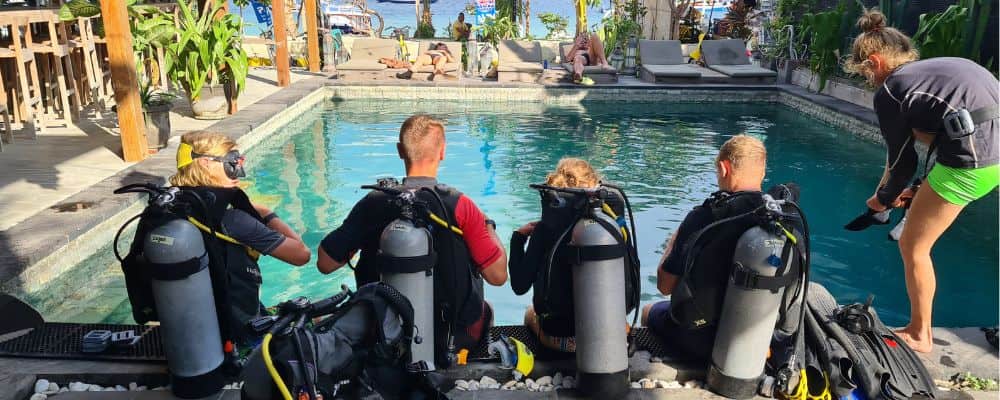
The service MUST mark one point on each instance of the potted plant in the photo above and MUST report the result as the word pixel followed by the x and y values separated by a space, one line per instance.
pixel 207 57
pixel 156 113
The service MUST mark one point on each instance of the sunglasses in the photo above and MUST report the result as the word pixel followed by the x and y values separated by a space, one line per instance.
pixel 232 163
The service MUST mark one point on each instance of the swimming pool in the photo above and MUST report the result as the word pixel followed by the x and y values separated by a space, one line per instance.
pixel 311 174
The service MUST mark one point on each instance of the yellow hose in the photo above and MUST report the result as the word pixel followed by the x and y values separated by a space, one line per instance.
pixel 266 351
pixel 607 210
pixel 445 224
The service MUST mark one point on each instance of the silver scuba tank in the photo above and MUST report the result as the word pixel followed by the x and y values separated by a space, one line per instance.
pixel 748 318
pixel 599 311
pixel 185 303
pixel 406 262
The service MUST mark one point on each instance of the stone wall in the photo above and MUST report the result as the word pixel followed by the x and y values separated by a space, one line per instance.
pixel 843 90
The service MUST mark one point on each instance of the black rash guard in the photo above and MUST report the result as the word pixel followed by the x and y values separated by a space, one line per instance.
pixel 917 96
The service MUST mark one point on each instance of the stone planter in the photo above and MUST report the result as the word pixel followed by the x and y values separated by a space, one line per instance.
pixel 157 118
pixel 785 67
pixel 212 103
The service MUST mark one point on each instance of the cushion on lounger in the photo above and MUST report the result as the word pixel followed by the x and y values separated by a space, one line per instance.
pixel 519 67
pixel 744 71
pixel 518 51
pixel 592 69
pixel 672 71
pixel 373 49
pixel 725 52
pixel 660 52
pixel 361 65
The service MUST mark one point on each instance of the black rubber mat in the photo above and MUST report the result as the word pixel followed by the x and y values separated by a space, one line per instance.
pixel 643 338
pixel 64 340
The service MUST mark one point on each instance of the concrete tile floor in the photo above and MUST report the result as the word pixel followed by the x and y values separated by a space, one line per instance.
pixel 36 174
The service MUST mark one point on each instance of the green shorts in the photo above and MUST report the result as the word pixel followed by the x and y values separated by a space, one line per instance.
pixel 960 186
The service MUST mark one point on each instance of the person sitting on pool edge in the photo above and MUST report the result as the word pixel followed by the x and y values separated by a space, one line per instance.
pixel 437 56
pixel 551 316
pixel 740 167
pixel 464 261
pixel 211 161
pixel 587 50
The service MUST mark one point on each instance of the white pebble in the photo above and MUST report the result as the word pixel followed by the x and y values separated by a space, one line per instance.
pixel 462 385
pixel 95 388
pixel 557 380
pixel 39 396
pixel 41 385
pixel 78 387
pixel 545 380
pixel 139 388
pixel 520 385
pixel 121 388
pixel 532 385
pixel 673 385
pixel 473 386
pixel 660 384
pixel 655 360
pixel 64 389
pixel 53 388
pixel 487 381
pixel 132 386
pixel 692 385
pixel 529 381
pixel 228 387
pixel 160 388
pixel 569 382
pixel 107 389
pixel 647 384
pixel 509 385
pixel 546 388
pixel 636 385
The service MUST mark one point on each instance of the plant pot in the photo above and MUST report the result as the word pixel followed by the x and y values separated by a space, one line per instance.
pixel 157 125
pixel 211 104
pixel 785 68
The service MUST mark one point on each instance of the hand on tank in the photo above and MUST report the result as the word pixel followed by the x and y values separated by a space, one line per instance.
pixel 527 229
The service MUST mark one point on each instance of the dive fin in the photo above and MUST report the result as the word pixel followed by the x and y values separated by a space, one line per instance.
pixel 869 218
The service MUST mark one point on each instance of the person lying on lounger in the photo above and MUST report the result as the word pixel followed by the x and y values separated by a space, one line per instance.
pixel 587 50
pixel 438 56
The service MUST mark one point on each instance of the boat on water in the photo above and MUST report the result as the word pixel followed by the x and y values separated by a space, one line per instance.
pixel 351 17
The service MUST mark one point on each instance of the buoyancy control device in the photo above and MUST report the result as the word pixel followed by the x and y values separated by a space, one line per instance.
pixel 597 249
pixel 175 274
pixel 359 348
pixel 770 257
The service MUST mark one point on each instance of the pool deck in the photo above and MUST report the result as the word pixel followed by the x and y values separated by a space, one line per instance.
pixel 82 167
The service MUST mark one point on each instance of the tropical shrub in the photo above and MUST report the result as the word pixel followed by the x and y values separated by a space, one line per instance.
pixel 208 49
pixel 956 32
pixel 555 24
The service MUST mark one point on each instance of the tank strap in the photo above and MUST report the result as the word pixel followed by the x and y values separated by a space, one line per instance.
pixel 406 265
pixel 575 255
pixel 177 271
pixel 787 274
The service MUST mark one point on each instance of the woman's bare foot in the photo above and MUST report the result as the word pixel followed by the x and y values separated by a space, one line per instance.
pixel 920 342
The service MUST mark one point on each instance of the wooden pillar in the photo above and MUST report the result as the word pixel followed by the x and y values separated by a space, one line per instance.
pixel 312 34
pixel 280 42
pixel 124 80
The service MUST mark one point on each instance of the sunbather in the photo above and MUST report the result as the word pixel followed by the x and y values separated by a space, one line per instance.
pixel 587 50
pixel 438 56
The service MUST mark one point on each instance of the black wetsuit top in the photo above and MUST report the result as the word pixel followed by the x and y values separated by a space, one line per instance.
pixel 917 96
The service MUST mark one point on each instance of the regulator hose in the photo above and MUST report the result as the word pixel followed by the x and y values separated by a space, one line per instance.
pixel 265 348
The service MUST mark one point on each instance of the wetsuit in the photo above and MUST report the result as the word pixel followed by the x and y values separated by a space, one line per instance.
pixel 917 96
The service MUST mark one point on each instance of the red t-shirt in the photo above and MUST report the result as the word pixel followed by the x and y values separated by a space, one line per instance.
pixel 483 250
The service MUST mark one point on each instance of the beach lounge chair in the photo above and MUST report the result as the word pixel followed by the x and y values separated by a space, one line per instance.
pixel 365 54
pixel 730 58
pixel 663 61
pixel 598 73
pixel 520 61
pixel 451 68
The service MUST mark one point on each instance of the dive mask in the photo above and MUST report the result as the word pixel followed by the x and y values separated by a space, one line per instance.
pixel 232 163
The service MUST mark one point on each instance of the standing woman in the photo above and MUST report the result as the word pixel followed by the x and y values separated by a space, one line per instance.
pixel 949 104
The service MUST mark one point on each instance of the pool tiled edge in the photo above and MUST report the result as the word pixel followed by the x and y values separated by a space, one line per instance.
pixel 35 251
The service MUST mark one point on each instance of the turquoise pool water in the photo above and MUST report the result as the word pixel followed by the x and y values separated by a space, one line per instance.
pixel 310 173
pixel 661 152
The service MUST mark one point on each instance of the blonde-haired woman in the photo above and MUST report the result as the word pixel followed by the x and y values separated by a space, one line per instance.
pixel 551 315
pixel 949 104
pixel 587 50
pixel 210 162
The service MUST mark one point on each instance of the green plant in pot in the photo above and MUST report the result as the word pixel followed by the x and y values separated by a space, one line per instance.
pixel 207 59
pixel 156 107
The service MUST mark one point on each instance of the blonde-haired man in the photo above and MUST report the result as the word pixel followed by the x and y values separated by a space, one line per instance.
pixel 464 262
pixel 740 167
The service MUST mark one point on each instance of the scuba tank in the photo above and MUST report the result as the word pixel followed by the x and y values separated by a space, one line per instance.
pixel 599 308
pixel 406 260
pixel 768 259
pixel 182 291
pixel 169 278
pixel 597 251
